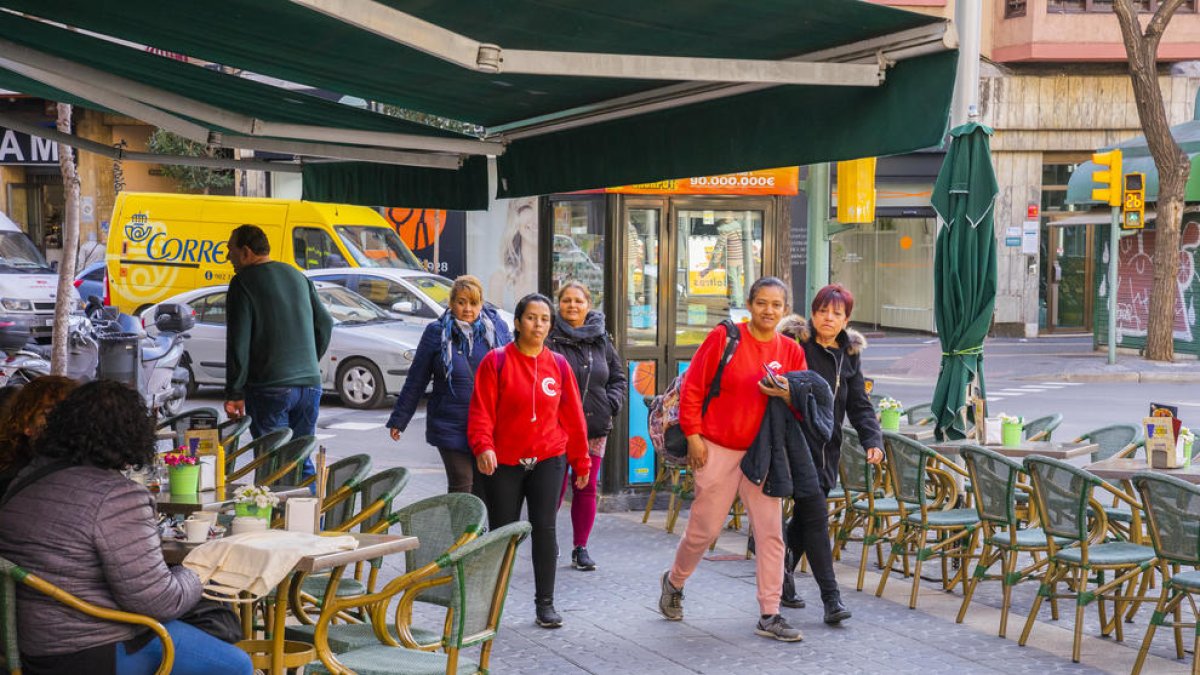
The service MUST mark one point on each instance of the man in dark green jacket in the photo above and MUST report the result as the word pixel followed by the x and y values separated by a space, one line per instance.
pixel 276 331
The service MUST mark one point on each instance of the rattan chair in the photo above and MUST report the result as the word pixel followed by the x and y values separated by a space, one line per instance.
pixel 12 574
pixel 996 482
pixel 912 468
pixel 230 432
pixel 1067 508
pixel 179 423
pixel 922 413
pixel 256 448
pixel 1117 440
pixel 342 482
pixel 673 474
pixel 282 465
pixel 1041 428
pixel 476 576
pixel 441 523
pixel 868 510
pixel 1173 518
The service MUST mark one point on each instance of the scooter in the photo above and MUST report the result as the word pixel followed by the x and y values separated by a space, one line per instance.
pixel 25 360
pixel 149 363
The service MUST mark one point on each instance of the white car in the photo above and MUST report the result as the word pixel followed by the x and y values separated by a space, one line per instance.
pixel 420 297
pixel 369 353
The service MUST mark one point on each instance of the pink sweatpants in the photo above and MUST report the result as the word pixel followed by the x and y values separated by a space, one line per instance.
pixel 717 482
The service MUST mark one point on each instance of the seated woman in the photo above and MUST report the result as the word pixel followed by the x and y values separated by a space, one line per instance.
pixel 23 418
pixel 73 519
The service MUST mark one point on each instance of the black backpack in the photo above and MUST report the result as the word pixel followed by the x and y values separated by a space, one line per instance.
pixel 665 434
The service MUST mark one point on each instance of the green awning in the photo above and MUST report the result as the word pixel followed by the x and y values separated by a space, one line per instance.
pixel 1136 157
pixel 598 143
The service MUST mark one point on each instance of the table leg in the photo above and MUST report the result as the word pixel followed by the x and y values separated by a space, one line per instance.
pixel 281 603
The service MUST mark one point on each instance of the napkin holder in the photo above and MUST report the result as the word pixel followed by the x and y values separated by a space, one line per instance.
pixel 208 473
pixel 992 431
pixel 300 514
pixel 1160 443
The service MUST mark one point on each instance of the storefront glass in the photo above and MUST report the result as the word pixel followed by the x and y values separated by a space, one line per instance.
pixel 641 274
pixel 718 257
pixel 578 253
pixel 888 266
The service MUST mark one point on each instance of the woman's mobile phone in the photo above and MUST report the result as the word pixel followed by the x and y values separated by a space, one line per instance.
pixel 771 377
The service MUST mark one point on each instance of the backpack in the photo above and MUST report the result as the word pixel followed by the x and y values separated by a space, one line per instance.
pixel 665 434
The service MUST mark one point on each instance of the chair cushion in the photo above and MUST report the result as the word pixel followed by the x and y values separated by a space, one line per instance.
pixel 951 518
pixel 882 505
pixel 1033 537
pixel 383 660
pixel 1121 514
pixel 1113 553
pixel 1188 581
pixel 348 587
pixel 344 637
pixel 837 493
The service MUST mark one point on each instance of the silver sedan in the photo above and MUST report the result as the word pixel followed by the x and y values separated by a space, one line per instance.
pixel 369 353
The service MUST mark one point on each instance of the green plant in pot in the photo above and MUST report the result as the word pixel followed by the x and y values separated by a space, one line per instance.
pixel 255 501
pixel 183 471
pixel 889 414
pixel 1011 430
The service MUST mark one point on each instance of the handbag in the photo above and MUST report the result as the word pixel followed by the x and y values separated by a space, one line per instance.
pixel 216 619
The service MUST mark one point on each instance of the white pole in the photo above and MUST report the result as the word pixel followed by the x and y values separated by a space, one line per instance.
pixel 967 18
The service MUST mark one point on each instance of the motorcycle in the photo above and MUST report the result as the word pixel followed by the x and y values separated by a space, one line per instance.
pixel 150 363
pixel 25 360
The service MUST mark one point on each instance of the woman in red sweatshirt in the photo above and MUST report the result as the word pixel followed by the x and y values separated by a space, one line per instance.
pixel 524 425
pixel 717 440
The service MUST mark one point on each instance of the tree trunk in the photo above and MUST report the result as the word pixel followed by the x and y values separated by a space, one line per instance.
pixel 60 352
pixel 1170 161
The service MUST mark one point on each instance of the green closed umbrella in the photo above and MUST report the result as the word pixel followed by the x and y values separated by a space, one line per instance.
pixel 964 271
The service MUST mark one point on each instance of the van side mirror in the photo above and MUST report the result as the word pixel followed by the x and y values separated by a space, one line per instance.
pixel 403 307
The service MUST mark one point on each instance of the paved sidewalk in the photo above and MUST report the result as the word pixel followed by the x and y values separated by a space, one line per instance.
pixel 612 625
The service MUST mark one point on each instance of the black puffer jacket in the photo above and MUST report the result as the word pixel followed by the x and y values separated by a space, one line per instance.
pixel 598 369
pixel 841 367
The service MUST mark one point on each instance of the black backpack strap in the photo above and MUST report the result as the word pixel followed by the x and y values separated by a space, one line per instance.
pixel 32 477
pixel 732 337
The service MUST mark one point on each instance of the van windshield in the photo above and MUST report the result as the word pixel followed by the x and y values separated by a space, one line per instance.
pixel 373 246
pixel 16 251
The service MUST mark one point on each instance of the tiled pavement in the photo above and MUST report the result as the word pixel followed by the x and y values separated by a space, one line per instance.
pixel 612 625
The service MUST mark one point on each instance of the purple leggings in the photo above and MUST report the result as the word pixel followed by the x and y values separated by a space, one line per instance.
pixel 583 501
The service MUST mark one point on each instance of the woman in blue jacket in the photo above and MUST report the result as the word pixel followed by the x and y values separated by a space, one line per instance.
pixel 449 353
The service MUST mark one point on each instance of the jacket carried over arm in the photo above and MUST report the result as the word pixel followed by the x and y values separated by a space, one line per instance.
pixel 785 457
pixel 597 367
pixel 92 533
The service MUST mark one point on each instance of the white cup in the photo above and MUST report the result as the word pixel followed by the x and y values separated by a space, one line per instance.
pixel 209 517
pixel 196 531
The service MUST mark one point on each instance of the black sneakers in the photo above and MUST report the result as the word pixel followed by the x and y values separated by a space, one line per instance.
pixel 546 616
pixel 580 559
pixel 835 611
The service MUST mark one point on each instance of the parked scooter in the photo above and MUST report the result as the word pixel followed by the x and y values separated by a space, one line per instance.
pixel 24 360
pixel 151 364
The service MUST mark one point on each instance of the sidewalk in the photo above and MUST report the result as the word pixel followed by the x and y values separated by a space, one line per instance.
pixel 612 624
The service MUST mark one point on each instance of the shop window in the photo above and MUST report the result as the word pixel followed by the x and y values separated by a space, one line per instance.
pixel 578 248
pixel 642 226
pixel 1014 8
pixel 888 265
pixel 719 256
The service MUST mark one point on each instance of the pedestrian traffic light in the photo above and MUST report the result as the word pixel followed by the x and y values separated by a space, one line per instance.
pixel 1109 177
pixel 1133 207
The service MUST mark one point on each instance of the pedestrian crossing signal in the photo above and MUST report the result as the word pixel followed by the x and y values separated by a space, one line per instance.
pixel 1133 206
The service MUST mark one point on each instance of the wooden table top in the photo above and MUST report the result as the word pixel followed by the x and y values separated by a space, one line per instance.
pixel 1051 449
pixel 1123 468
pixel 370 546
pixel 211 500
pixel 917 432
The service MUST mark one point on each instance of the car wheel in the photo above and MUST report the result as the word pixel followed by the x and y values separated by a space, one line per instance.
pixel 360 384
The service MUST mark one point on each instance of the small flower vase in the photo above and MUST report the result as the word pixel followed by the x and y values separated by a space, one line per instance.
pixel 1187 454
pixel 889 420
pixel 185 479
pixel 1010 434
pixel 252 510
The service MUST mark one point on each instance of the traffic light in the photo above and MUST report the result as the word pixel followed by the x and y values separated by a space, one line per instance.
pixel 1109 177
pixel 1133 207
pixel 856 191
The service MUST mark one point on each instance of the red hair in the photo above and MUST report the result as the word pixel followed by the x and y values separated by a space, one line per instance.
pixel 834 294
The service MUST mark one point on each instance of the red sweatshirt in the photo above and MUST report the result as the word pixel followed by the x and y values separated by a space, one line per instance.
pixel 735 415
pixel 527 410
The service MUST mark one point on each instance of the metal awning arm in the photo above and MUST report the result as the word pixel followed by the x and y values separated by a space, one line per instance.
pixel 432 39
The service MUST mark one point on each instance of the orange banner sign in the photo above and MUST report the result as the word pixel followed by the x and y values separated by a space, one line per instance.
pixel 417 227
pixel 782 181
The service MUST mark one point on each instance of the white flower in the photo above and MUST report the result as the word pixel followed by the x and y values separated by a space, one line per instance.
pixel 1009 419
pixel 890 403
pixel 1186 435
pixel 259 495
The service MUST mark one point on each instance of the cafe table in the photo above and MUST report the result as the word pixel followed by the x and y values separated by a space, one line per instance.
pixel 1124 468
pixel 276 655
pixel 1051 449
pixel 214 500
pixel 917 432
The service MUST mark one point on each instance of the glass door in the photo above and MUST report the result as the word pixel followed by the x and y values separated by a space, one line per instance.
pixel 1068 277
pixel 641 232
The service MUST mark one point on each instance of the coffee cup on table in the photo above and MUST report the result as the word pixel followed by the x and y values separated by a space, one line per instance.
pixel 209 517
pixel 195 531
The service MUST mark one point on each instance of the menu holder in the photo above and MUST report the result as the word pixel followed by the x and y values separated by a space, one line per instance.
pixel 1160 442
pixel 206 440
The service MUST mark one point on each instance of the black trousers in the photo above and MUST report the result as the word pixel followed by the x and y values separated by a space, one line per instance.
pixel 462 473
pixel 510 487
pixel 807 534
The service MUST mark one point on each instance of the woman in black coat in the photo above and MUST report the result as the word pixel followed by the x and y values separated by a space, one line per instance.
pixel 834 351
pixel 578 334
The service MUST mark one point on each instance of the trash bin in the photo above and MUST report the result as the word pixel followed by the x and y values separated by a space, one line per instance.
pixel 120 358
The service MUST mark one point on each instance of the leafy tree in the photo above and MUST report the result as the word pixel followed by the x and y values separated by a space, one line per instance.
pixel 192 178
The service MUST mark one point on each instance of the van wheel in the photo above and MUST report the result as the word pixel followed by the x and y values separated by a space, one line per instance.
pixel 360 384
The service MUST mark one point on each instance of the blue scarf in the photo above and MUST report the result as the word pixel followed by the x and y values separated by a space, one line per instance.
pixel 482 329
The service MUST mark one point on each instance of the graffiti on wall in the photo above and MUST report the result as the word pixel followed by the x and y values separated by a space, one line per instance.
pixel 1136 277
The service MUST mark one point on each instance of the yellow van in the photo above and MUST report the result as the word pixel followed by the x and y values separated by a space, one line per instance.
pixel 160 245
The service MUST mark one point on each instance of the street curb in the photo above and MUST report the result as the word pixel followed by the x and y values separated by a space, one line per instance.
pixel 1146 378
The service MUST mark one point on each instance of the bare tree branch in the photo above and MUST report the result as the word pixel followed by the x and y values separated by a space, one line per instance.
pixel 1158 23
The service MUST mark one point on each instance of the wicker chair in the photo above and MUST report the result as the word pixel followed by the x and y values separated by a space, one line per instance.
pixel 912 467
pixel 867 509
pixel 1067 509
pixel 256 448
pixel 179 423
pixel 476 575
pixel 1171 508
pixel 1041 428
pixel 343 479
pixel 282 465
pixel 995 483
pixel 922 413
pixel 1117 440
pixel 673 474
pixel 12 574
pixel 230 433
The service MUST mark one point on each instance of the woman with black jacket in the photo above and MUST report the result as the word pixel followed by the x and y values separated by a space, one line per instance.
pixel 834 351
pixel 578 334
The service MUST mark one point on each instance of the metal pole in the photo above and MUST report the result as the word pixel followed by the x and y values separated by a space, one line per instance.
pixel 817 189
pixel 1114 240
pixel 967 16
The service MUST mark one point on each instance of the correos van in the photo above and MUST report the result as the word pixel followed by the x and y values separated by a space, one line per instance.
pixel 28 287
pixel 160 245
